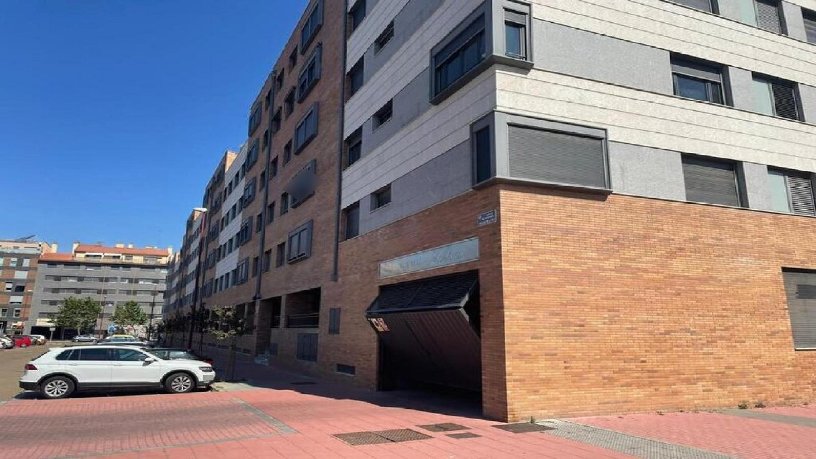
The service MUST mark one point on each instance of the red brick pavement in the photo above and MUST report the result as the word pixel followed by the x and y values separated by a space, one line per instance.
pixel 731 435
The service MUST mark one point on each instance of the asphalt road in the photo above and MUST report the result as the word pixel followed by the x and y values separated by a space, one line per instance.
pixel 12 362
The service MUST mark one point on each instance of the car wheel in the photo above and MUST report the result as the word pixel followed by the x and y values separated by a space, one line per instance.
pixel 57 387
pixel 179 383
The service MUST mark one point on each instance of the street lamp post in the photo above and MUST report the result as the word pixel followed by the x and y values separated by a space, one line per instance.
pixel 101 315
pixel 152 310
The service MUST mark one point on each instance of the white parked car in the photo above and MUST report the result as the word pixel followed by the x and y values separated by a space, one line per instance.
pixel 61 371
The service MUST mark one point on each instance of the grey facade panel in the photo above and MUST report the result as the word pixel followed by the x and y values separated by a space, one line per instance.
pixel 808 96
pixel 440 179
pixel 411 102
pixel 741 86
pixel 757 188
pixel 597 57
pixel 645 171
pixel 794 22
pixel 406 23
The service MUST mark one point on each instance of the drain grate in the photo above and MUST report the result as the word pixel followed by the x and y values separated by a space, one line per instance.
pixel 461 435
pixel 302 383
pixel 444 427
pixel 382 436
pixel 523 427
pixel 362 438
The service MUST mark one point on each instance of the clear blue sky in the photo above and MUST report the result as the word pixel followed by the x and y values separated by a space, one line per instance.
pixel 114 113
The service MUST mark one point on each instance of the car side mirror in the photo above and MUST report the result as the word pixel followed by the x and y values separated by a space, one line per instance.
pixel 149 360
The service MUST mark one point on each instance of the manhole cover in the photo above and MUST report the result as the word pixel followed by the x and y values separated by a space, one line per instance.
pixel 523 427
pixel 362 438
pixel 382 436
pixel 461 435
pixel 302 383
pixel 443 427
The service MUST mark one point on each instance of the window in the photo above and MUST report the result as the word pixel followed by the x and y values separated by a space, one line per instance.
pixel 463 53
pixel 259 223
pixel 310 74
pixel 381 197
pixel 307 347
pixel 483 154
pixel 254 118
pixel 289 103
pixel 346 369
pixel 334 321
pixel 20 274
pixel 280 254
pixel 302 186
pixel 776 97
pixel 293 59
pixel 267 259
pixel 768 16
pixel 3 312
pixel 273 168
pixel 268 98
pixel 13 262
pixel 17 300
pixel 384 114
pixel 128 355
pixel 792 192
pixel 266 139
pixel 311 26
pixel 697 80
pixel 279 81
pixel 354 147
pixel 9 286
pixel 703 5
pixel 515 34
pixel 306 130
pixel 385 36
pixel 17 313
pixel 356 15
pixel 711 181
pixel 252 155
pixel 810 25
pixel 93 354
pixel 263 179
pixel 800 289
pixel 287 152
pixel 270 213
pixel 351 216
pixel 557 154
pixel 284 200
pixel 26 262
pixel 356 77
pixel 255 262
pixel 276 121
pixel 300 243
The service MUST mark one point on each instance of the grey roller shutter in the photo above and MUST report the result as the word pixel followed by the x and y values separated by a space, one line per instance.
pixel 799 287
pixel 784 97
pixel 767 14
pixel 556 157
pixel 712 182
pixel 801 195
pixel 696 69
pixel 704 5
pixel 810 26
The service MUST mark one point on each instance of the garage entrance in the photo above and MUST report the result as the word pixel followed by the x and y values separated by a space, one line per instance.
pixel 429 334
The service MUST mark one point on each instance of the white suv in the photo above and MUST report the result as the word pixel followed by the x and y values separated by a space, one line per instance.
pixel 61 371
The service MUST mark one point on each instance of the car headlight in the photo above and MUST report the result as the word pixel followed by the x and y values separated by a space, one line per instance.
pixel 206 369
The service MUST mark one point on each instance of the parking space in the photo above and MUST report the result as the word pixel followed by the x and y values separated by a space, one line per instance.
pixel 12 362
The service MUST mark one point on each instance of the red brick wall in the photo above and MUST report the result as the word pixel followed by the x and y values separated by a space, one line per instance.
pixel 633 304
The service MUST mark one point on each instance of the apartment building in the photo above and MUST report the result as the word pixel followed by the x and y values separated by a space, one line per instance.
pixel 18 272
pixel 111 275
pixel 568 206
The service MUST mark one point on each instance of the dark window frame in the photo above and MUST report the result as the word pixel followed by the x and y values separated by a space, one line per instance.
pixel 310 74
pixel 353 148
pixel 356 15
pixel 303 133
pixel 384 38
pixel 383 115
pixel 381 198
pixel 684 67
pixel 296 249
pixel 312 25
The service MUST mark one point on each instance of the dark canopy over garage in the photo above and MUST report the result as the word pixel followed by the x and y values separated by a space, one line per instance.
pixel 429 330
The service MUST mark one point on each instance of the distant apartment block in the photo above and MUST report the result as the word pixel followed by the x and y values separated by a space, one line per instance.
pixel 111 275
pixel 18 272
pixel 567 207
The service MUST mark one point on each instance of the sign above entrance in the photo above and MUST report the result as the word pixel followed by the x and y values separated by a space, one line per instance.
pixel 438 257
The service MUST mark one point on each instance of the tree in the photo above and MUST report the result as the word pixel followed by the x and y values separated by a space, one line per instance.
pixel 78 313
pixel 226 325
pixel 129 314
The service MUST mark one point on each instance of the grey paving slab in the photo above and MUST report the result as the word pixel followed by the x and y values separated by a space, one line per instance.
pixel 773 417
pixel 625 443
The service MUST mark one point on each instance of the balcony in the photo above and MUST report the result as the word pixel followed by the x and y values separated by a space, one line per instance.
pixel 310 320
